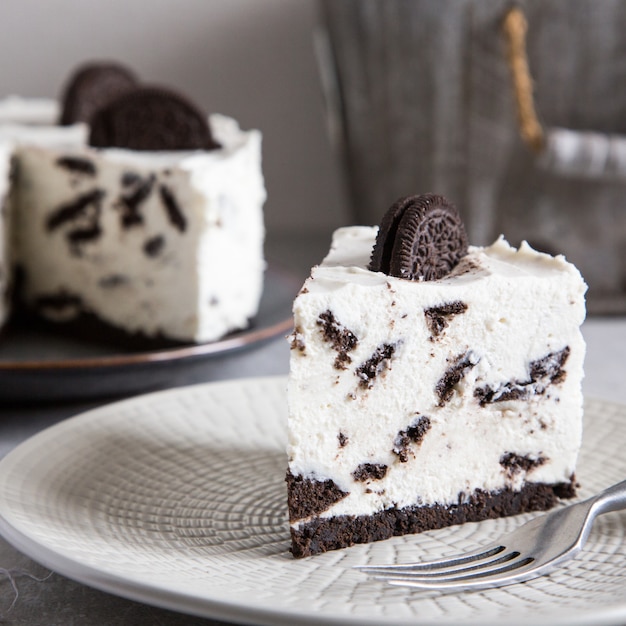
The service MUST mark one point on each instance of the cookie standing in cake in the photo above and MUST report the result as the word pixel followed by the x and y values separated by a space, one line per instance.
pixel 458 395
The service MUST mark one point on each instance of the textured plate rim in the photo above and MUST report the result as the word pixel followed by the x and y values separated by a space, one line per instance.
pixel 213 607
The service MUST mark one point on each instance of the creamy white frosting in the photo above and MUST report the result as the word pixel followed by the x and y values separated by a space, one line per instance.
pixel 31 111
pixel 522 305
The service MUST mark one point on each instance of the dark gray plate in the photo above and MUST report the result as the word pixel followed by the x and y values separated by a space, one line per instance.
pixel 39 364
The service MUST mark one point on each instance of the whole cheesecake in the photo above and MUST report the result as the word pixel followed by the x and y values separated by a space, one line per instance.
pixel 139 212
pixel 420 399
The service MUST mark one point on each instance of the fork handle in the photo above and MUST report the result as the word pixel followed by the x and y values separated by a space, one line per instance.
pixel 611 499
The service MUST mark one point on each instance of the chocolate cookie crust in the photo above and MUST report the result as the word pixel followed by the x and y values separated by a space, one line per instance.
pixel 310 497
pixel 323 534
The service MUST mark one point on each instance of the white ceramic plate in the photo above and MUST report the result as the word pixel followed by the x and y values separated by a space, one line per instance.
pixel 177 499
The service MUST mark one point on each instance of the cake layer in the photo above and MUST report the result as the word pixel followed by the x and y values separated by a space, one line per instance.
pixel 408 394
pixel 163 244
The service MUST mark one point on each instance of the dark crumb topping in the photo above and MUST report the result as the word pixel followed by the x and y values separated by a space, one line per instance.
pixel 343 440
pixel 541 374
pixel 340 338
pixel 515 463
pixel 375 365
pixel 369 471
pixel 307 496
pixel 80 165
pixel 154 246
pixel 453 375
pixel 438 317
pixel 174 212
pixel 414 433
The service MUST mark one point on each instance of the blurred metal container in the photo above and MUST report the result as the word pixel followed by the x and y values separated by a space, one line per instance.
pixel 420 97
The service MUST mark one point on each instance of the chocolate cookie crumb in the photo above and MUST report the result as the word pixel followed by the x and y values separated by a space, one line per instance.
pixel 297 340
pixel 467 265
pixel 343 440
pixel 414 433
pixel 369 471
pixel 375 365
pixel 550 367
pixel 514 463
pixel 72 210
pixel 507 391
pixel 130 178
pixel 174 212
pixel 154 246
pixel 131 202
pixel 438 317
pixel 114 280
pixel 453 375
pixel 341 339
pixel 542 373
pixel 88 233
pixel 80 165
pixel 307 496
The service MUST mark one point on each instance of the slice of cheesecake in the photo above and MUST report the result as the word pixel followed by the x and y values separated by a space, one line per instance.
pixel 416 404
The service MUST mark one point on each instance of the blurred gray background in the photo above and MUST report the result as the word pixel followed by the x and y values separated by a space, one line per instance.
pixel 250 59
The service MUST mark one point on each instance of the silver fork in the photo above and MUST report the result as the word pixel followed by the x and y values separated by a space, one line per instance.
pixel 533 549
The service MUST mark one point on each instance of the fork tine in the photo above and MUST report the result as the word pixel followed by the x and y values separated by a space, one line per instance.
pixel 482 566
pixel 512 572
pixel 443 563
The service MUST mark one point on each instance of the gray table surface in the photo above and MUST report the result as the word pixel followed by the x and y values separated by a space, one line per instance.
pixel 30 594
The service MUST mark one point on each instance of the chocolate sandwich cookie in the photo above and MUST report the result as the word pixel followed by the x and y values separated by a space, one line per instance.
pixel 420 238
pixel 151 118
pixel 93 86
